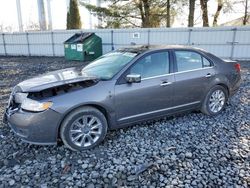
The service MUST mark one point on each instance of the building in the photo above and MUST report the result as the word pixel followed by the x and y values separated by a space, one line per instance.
pixel 237 22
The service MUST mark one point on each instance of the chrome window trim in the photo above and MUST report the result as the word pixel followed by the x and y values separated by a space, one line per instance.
pixel 152 77
pixel 162 75
pixel 203 68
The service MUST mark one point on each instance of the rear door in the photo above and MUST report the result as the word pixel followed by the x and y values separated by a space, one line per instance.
pixel 152 96
pixel 193 74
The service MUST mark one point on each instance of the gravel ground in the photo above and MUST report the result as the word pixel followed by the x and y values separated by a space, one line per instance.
pixel 191 150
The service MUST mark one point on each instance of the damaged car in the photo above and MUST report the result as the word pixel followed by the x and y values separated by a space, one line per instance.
pixel 123 87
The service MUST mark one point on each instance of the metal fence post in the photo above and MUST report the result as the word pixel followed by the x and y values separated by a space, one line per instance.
pixel 28 44
pixel 148 36
pixel 53 44
pixel 4 45
pixel 189 36
pixel 112 40
pixel 233 42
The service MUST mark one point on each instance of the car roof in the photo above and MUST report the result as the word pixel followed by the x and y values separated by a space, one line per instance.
pixel 144 48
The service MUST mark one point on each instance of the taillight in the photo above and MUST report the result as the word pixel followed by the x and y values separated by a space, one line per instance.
pixel 237 67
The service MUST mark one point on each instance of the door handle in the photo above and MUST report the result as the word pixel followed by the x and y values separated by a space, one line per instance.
pixel 208 75
pixel 165 83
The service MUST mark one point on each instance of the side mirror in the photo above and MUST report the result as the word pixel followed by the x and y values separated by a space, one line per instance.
pixel 133 78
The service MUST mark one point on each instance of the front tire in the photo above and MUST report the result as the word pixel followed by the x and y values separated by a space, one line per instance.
pixel 215 100
pixel 84 128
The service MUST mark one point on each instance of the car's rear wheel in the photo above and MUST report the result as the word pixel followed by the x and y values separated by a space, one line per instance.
pixel 83 128
pixel 215 100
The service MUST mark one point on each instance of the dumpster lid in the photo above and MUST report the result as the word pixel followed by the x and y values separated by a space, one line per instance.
pixel 79 37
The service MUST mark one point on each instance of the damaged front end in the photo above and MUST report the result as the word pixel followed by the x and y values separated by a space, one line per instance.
pixel 30 111
pixel 32 94
pixel 61 89
pixel 12 106
pixel 35 101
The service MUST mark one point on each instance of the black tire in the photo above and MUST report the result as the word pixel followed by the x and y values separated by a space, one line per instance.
pixel 205 105
pixel 67 124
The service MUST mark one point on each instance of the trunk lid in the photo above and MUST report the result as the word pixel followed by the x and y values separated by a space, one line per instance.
pixel 234 64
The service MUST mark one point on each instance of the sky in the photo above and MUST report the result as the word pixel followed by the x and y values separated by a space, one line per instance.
pixel 8 14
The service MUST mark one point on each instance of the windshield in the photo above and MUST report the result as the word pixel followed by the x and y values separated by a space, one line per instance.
pixel 108 65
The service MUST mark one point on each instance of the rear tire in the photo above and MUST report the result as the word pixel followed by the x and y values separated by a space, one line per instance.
pixel 84 128
pixel 215 100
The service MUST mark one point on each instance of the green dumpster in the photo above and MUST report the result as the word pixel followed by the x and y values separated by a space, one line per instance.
pixel 83 47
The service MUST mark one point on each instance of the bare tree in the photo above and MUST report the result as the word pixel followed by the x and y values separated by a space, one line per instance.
pixel 245 18
pixel 168 13
pixel 218 10
pixel 204 13
pixel 145 12
pixel 191 13
pixel 8 28
pixel 32 26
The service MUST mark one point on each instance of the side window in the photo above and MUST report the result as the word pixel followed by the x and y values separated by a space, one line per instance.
pixel 152 65
pixel 206 63
pixel 187 60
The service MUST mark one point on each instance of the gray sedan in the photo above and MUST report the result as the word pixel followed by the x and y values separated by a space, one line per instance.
pixel 121 88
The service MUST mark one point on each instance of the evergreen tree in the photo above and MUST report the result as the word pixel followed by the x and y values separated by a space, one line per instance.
pixel 73 16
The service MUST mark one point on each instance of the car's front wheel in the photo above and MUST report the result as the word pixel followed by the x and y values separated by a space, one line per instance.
pixel 83 128
pixel 215 100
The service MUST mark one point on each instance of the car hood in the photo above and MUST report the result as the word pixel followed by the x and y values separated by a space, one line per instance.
pixel 53 79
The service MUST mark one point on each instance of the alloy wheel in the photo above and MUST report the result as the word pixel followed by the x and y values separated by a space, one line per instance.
pixel 217 101
pixel 86 130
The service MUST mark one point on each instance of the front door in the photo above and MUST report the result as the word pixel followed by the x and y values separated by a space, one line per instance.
pixel 152 96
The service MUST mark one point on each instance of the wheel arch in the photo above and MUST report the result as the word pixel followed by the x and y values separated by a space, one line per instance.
pixel 102 109
pixel 221 80
pixel 217 83
pixel 225 86
pixel 213 88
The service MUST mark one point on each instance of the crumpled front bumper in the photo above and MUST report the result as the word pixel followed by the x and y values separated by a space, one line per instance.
pixel 34 127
